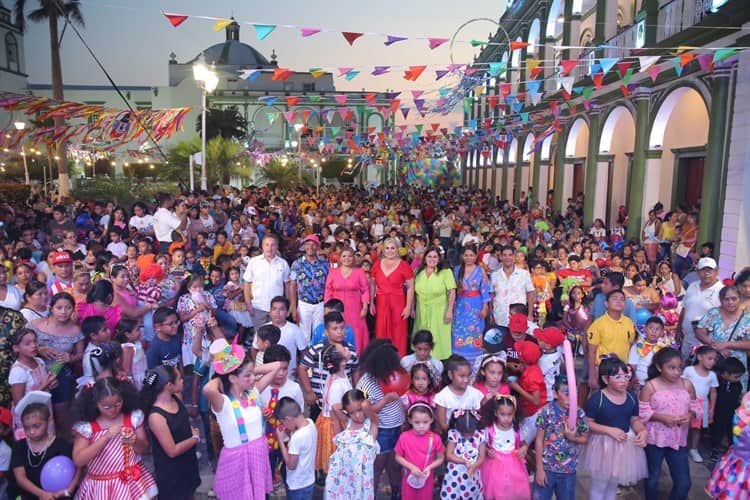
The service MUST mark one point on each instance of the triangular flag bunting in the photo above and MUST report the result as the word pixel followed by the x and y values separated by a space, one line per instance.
pixel 470 71
pixel 567 65
pixel 281 74
pixel 623 67
pixel 492 101
pixel 340 98
pixel 335 131
pixel 380 70
pixel 416 93
pixel 393 39
pixel 263 30
pixel 268 100
pixel 315 98
pixel 723 54
pixel 291 101
pixel 533 85
pixel 317 72
pixel 536 98
pixel 175 19
pixel 351 75
pixel 306 114
pixel 532 64
pixel 405 112
pixel 419 128
pixel 478 43
pixel 686 58
pixel 627 76
pixel 249 74
pixel 595 68
pixel 505 90
pixel 454 67
pixel 271 117
pixel 525 118
pixel 567 83
pixel 577 90
pixel 309 31
pixel 653 72
pixel 677 63
pixel 414 72
pixel 290 116
pixel 479 90
pixel 518 45
pixel 645 62
pixel 624 90
pixel 496 68
pixel 395 103
pixel 439 73
pixel 350 36
pixel 436 42
pixel 598 80
pixel 344 71
pixel 706 62
pixel 536 72
pixel 222 23
pixel 608 63
pixel 370 98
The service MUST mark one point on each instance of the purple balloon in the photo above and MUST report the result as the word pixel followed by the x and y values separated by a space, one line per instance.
pixel 57 474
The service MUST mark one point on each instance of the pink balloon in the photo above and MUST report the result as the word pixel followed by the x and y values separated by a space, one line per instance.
pixel 570 371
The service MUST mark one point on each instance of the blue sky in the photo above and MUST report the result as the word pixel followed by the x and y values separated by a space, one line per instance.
pixel 134 40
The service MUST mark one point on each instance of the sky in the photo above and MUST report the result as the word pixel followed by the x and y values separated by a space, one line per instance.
pixel 133 40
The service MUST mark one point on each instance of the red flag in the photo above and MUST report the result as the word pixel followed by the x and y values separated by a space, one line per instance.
pixel 567 66
pixel 598 80
pixel 370 98
pixel 414 72
pixel 518 45
pixel 493 100
pixel 435 126
pixel 351 37
pixel 292 101
pixel 624 90
pixel 395 103
pixel 281 74
pixel 505 90
pixel 306 114
pixel 175 19
pixel 536 72
pixel 623 67
pixel 685 59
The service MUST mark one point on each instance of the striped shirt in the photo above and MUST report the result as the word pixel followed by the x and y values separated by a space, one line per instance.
pixel 318 374
pixel 391 415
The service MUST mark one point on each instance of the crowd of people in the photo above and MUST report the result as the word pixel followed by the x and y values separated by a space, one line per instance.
pixel 313 343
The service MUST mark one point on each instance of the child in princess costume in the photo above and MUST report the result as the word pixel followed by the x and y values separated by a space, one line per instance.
pixel 731 476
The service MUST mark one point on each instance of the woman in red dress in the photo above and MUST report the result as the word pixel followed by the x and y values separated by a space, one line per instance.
pixel 392 296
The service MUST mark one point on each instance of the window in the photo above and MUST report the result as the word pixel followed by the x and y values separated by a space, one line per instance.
pixel 308 87
pixel 139 105
pixel 11 53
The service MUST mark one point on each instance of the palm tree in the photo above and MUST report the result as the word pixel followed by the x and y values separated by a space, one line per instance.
pixel 227 123
pixel 50 11
pixel 283 174
pixel 224 159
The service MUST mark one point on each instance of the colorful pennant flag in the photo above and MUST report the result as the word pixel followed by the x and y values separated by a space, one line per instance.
pixel 405 112
pixel 370 98
pixel 654 71
pixel 291 101
pixel 567 66
pixel 496 68
pixel 645 62
pixel 317 72
pixel 536 72
pixel 478 43
pixel 281 74
pixel 608 63
pixel 436 42
pixel 623 67
pixel 249 74
pixel 263 30
pixel 340 98
pixel 414 72
pixel 175 19
pixel 393 39
pixel 685 59
pixel 439 73
pixel 598 80
pixel 380 70
pixel 344 71
pixel 723 54
pixel 351 75
pixel 518 45
pixel 309 32
pixel 222 23
pixel 351 37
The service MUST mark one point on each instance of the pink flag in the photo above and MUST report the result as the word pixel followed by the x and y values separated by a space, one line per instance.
pixel 416 93
pixel 653 72
pixel 340 98
pixel 309 31
pixel 436 42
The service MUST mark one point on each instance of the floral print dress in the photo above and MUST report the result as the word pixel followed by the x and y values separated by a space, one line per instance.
pixel 455 482
pixel 468 326
pixel 350 466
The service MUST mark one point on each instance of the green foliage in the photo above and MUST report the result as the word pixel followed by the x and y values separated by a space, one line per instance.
pixel 223 156
pixel 284 176
pixel 120 191
pixel 227 123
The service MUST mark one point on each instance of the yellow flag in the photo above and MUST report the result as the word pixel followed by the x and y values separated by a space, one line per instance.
pixel 532 64
pixel 478 91
pixel 221 24
pixel 317 73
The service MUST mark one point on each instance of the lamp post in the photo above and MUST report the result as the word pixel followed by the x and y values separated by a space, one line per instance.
pixel 207 81
pixel 298 128
pixel 20 126
pixel 321 149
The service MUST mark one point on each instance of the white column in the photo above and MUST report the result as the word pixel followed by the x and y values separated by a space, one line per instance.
pixel 567 183
pixel 602 187
pixel 651 182
pixel 543 187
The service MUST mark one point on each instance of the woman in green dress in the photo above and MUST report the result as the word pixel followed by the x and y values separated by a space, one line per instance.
pixel 435 288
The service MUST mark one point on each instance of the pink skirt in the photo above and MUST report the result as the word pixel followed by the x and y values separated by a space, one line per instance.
pixel 244 472
pixel 504 477
pixel 605 458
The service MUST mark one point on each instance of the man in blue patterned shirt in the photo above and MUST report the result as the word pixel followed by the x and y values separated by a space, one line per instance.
pixel 307 282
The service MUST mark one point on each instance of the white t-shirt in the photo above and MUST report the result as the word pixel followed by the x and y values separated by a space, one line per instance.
pixel 303 443
pixel 228 423
pixel 334 393
pixel 550 364
pixel 22 374
pixel 641 363
pixel 293 339
pixel 164 223
pixel 267 279
pixel 697 303
pixel 13 298
pixel 290 389
pixel 702 385
pixel 142 224
pixel 434 365
pixel 471 399
pixel 118 249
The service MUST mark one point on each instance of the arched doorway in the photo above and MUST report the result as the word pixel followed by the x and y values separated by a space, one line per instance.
pixel 511 169
pixel 616 147
pixel 574 169
pixel 527 161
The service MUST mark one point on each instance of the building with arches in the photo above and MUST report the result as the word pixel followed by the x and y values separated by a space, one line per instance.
pixel 679 140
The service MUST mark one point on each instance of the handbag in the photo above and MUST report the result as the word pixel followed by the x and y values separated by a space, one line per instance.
pixel 731 334
pixel 415 481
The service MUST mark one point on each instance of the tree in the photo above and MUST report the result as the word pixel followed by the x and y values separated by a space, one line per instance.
pixel 223 156
pixel 50 11
pixel 227 123
pixel 283 174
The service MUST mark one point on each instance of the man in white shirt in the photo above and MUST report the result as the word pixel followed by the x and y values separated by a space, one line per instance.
pixel 699 298
pixel 165 221
pixel 511 285
pixel 266 277
pixel 291 336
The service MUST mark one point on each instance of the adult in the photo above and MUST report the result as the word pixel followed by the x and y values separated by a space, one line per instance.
pixel 10 297
pixel 59 223
pixel 472 306
pixel 206 222
pixel 10 322
pixel 742 282
pixel 99 303
pixel 392 295
pixel 727 328
pixel 61 346
pixel 36 303
pixel 307 286
pixel 643 295
pixel 24 274
pixel 71 245
pixel 165 221
pixel 349 284
pixel 613 333
pixel 141 221
pixel 62 267
pixel 266 276
pixel 435 290
pixel 700 296
pixel 650 237
pixel 667 280
pixel 668 235
pixel 683 254
pixel 510 285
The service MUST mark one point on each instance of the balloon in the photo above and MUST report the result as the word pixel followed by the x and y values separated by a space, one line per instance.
pixel 570 370
pixel 57 474
pixel 641 316
pixel 397 382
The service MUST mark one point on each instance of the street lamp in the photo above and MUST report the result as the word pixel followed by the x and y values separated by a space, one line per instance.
pixel 298 128
pixel 207 80
pixel 20 126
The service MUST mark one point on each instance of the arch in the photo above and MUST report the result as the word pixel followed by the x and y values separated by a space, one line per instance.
pixel 617 141
pixel 527 143
pixel 516 57
pixel 577 139
pixel 376 120
pixel 613 120
pixel 546 147
pixel 512 151
pixel 554 22
pixel 681 93
pixel 11 53
pixel 533 38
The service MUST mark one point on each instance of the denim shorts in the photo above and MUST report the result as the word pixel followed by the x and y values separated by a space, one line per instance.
pixel 387 438
pixel 305 493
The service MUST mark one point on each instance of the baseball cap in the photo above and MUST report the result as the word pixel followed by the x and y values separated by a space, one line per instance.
pixel 311 237
pixel 706 262
pixel 61 257
pixel 551 336
pixel 518 323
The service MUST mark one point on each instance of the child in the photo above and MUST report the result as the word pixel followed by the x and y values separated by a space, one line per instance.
pixel 490 378
pixel 328 422
pixel 728 394
pixel 106 360
pixel 667 406
pixel 465 453
pixel 266 336
pixel 165 348
pixel 421 388
pixel 350 470
pixel 173 440
pixel 705 382
pixel 28 373
pixel 235 301
pixel 531 388
pixel 419 451
pixel 614 454
pixel 110 438
pixel 32 453
pixel 281 386
pixel 298 454
pixel 134 363
pixel 195 308
pixel 504 474
pixel 644 349
pixel 557 446
pixel 458 394
pixel 731 476
pixel 550 341
pixel 6 428
pixel 423 344
pixel 97 333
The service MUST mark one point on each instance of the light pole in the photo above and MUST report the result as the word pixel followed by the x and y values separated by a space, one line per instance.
pixel 207 80
pixel 321 149
pixel 298 129
pixel 20 126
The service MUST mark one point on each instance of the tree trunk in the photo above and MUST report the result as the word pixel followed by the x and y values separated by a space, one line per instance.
pixel 63 178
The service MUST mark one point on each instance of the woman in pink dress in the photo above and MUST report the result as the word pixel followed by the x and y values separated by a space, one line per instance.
pixel 349 284
pixel 392 296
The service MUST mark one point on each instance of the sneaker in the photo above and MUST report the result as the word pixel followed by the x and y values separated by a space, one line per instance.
pixel 696 456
